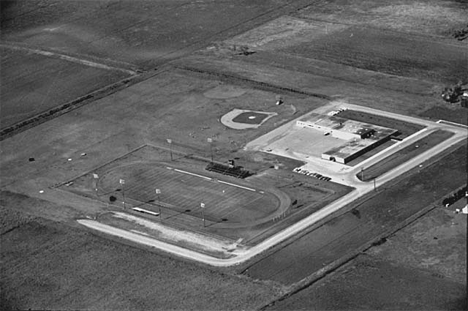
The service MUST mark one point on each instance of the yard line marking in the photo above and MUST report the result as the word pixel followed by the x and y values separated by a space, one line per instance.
pixel 70 59
pixel 193 174
pixel 238 186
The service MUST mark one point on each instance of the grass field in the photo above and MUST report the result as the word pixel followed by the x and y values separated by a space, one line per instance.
pixel 181 191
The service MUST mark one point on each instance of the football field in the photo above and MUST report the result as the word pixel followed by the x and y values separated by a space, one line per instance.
pixel 186 192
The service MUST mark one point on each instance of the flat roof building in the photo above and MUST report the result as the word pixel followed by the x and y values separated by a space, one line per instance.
pixel 360 137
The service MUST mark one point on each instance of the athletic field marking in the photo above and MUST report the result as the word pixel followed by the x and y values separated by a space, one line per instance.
pixel 193 174
pixel 452 123
pixel 70 59
pixel 238 186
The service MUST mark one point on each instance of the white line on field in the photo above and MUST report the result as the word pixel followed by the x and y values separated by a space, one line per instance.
pixel 70 59
pixel 238 186
pixel 208 178
pixel 193 174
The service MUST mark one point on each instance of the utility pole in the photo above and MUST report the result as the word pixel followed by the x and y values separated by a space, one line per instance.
pixel 95 177
pixel 210 141
pixel 158 193
pixel 122 182
pixel 202 205
pixel 169 141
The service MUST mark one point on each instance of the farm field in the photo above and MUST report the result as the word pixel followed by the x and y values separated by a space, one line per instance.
pixel 50 265
pixel 427 251
pixel 368 49
pixel 103 102
pixel 32 83
pixel 371 283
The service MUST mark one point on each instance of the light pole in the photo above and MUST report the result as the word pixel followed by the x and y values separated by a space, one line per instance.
pixel 122 182
pixel 169 141
pixel 210 141
pixel 95 177
pixel 202 205
pixel 158 192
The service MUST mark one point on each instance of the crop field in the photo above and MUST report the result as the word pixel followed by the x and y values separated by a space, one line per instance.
pixel 371 283
pixel 387 52
pixel 51 265
pixel 144 36
pixel 429 18
pixel 28 89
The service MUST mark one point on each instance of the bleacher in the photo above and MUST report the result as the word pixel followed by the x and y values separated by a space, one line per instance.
pixel 234 171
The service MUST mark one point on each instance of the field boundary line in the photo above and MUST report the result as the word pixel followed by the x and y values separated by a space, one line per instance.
pixel 64 108
pixel 417 35
pixel 193 174
pixel 68 58
pixel 252 82
pixel 238 186
pixel 452 123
